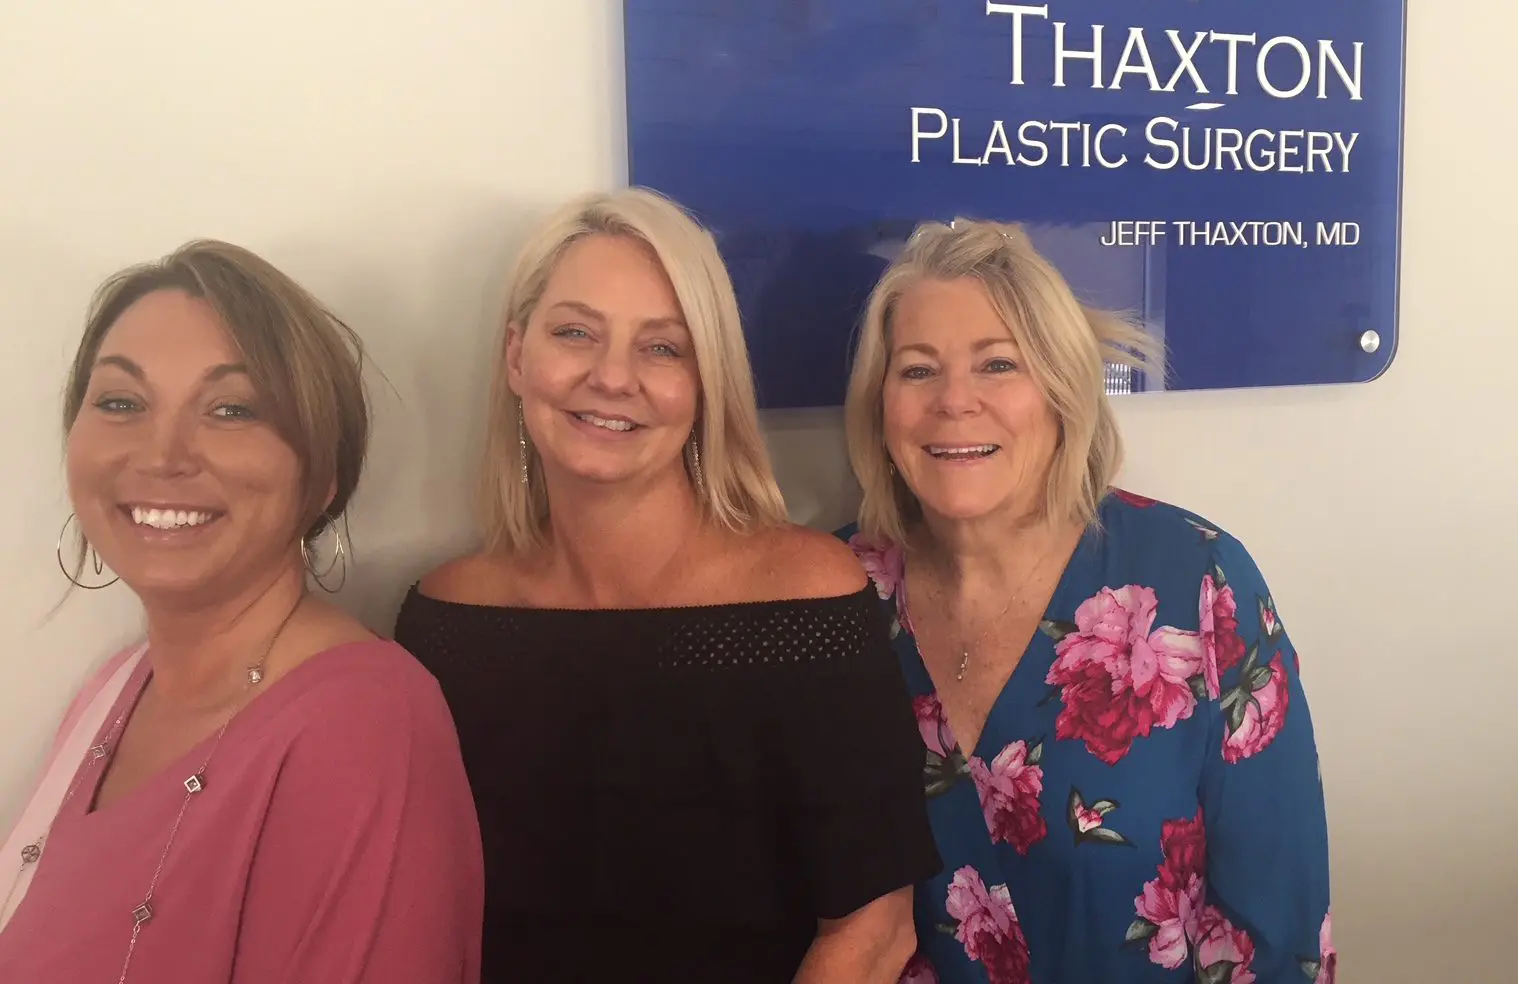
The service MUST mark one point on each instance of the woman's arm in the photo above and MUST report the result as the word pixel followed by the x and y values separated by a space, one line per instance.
pixel 870 946
pixel 854 805
pixel 368 869
pixel 1266 833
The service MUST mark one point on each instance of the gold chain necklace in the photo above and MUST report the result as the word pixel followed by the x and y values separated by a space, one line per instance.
pixel 964 659
pixel 965 649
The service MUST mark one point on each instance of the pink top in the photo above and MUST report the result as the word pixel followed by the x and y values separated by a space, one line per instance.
pixel 335 842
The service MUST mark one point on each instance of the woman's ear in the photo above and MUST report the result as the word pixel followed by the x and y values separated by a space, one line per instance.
pixel 513 354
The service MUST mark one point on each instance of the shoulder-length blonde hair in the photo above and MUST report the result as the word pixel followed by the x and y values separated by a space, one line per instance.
pixel 1066 346
pixel 737 488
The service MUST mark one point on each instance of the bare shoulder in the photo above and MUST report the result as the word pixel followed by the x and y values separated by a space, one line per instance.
pixel 474 579
pixel 799 562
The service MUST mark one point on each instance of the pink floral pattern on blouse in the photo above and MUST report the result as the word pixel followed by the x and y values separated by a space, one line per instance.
pixel 1174 916
pixel 1010 788
pixel 1120 677
pixel 987 926
pixel 1143 804
pixel 885 564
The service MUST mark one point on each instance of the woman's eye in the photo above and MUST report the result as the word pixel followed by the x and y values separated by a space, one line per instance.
pixel 916 372
pixel 234 411
pixel 666 350
pixel 1001 365
pixel 116 404
pixel 570 331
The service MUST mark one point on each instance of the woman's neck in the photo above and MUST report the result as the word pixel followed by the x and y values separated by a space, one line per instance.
pixel 199 651
pixel 614 547
pixel 992 551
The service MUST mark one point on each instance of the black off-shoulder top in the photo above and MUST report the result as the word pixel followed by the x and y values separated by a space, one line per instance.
pixel 678 794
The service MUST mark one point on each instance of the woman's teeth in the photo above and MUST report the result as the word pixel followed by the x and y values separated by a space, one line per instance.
pixel 963 452
pixel 168 519
pixel 613 425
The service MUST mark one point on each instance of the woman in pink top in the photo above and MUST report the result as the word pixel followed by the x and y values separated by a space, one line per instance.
pixel 262 791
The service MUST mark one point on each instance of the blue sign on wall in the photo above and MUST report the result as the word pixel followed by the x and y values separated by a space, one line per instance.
pixel 1228 171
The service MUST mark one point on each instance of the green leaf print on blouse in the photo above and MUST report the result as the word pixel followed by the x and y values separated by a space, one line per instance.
pixel 1010 786
pixel 1208 533
pixel 1139 931
pixel 1270 623
pixel 986 925
pixel 1219 973
pixel 1218 624
pixel 1087 822
pixel 1254 708
pixel 944 764
pixel 1174 925
pixel 1325 967
pixel 1055 629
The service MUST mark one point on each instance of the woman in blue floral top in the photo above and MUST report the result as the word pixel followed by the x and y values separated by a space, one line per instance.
pixel 1120 762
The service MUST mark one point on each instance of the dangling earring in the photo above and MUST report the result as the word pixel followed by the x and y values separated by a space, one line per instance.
pixel 339 557
pixel 522 441
pixel 95 561
pixel 693 462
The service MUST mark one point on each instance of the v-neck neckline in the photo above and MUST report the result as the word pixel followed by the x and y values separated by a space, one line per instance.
pixel 1058 601
pixel 83 808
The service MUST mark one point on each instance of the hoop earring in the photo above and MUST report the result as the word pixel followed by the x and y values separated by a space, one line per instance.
pixel 339 557
pixel 95 560
pixel 693 463
pixel 522 442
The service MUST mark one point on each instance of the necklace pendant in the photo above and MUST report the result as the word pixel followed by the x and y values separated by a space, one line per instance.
pixel 195 784
pixel 255 675
pixel 99 751
pixel 964 664
pixel 31 853
pixel 142 914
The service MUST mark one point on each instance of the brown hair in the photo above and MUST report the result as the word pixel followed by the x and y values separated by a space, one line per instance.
pixel 302 359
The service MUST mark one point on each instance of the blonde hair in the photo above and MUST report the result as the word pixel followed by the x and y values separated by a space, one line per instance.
pixel 1065 345
pixel 737 488
pixel 304 362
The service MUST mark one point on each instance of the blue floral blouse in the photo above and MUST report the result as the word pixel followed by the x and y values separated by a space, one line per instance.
pixel 1144 804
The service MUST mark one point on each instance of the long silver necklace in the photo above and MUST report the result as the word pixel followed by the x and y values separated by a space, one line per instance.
pixel 32 853
pixel 104 751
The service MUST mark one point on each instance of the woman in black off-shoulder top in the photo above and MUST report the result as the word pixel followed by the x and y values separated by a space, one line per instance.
pixel 691 748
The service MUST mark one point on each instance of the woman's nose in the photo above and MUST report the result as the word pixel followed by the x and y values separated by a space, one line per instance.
pixel 955 394
pixel 169 446
pixel 613 371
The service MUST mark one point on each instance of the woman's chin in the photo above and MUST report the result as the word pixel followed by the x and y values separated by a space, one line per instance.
pixel 968 504
pixel 152 583
pixel 963 509
pixel 169 574
pixel 610 470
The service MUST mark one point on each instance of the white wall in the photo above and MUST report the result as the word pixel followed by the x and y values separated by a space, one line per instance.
pixel 391 165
